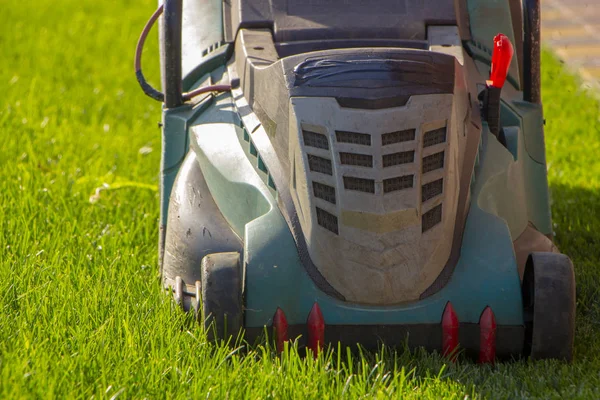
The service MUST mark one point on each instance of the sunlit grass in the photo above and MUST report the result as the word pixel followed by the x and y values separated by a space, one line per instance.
pixel 82 311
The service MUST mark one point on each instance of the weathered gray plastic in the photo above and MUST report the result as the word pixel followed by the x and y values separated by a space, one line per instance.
pixel 288 30
pixel 202 27
pixel 268 82
pixel 195 227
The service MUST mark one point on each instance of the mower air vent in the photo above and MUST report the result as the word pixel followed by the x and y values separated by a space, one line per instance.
pixel 403 157
pixel 398 183
pixel 327 220
pixel 433 162
pixel 314 139
pixel 253 150
pixel 398 137
pixel 319 164
pixel 361 160
pixel 359 184
pixel 353 137
pixel 432 189
pixel 434 137
pixel 431 218
pixel 324 192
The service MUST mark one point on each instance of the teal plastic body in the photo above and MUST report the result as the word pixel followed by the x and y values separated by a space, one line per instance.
pixel 485 275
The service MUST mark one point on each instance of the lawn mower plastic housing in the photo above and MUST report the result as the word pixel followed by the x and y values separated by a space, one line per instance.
pixel 242 239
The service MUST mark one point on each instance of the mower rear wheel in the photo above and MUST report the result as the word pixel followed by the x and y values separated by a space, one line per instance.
pixel 548 291
pixel 222 295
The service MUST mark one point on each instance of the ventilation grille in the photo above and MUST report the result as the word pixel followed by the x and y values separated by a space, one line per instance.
pixel 324 192
pixel 398 183
pixel 359 184
pixel 314 139
pixel 212 48
pixel 431 218
pixel 353 137
pixel 319 164
pixel 398 137
pixel 432 189
pixel 361 160
pixel 434 137
pixel 327 220
pixel 433 162
pixel 260 165
pixel 404 157
pixel 253 150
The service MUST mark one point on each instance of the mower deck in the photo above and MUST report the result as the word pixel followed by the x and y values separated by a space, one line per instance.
pixel 336 176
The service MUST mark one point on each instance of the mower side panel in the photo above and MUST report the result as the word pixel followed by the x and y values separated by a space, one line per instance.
pixel 236 188
pixel 174 147
pixel 538 200
pixel 195 227
pixel 532 154
pixel 487 18
pixel 176 123
pixel 529 117
pixel 202 32
pixel 500 188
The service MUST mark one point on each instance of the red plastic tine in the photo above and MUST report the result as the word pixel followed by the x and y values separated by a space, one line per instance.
pixel 280 329
pixel 449 332
pixel 487 337
pixel 316 329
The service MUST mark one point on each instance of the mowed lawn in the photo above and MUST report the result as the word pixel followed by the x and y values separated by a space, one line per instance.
pixel 82 312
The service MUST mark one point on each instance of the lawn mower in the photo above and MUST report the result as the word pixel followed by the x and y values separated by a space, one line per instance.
pixel 360 172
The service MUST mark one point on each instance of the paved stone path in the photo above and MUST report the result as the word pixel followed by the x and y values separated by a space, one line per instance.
pixel 572 29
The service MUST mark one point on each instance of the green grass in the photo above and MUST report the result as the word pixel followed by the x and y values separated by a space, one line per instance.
pixel 82 314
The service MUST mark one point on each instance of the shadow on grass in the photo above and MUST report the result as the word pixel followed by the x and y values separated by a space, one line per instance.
pixel 576 218
pixel 344 373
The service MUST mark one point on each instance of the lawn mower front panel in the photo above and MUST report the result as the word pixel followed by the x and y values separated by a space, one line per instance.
pixel 285 185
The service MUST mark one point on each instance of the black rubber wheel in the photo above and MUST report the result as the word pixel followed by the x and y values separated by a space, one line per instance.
pixel 549 306
pixel 222 295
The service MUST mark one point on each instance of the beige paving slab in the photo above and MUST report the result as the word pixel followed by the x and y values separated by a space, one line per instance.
pixel 592 72
pixel 572 29
pixel 578 51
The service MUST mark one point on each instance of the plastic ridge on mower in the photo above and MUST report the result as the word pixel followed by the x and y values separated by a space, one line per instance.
pixel 364 175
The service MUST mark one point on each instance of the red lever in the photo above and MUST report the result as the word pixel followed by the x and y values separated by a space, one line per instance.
pixel 501 57
pixel 280 327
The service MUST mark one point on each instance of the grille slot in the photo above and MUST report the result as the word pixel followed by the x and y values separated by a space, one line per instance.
pixel 324 192
pixel 431 218
pixel 397 183
pixel 398 137
pixel 319 164
pixel 314 139
pixel 404 157
pixel 353 137
pixel 327 220
pixel 361 160
pixel 432 189
pixel 433 162
pixel 359 184
pixel 434 137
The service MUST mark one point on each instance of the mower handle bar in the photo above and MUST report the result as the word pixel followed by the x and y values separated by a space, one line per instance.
pixel 171 54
